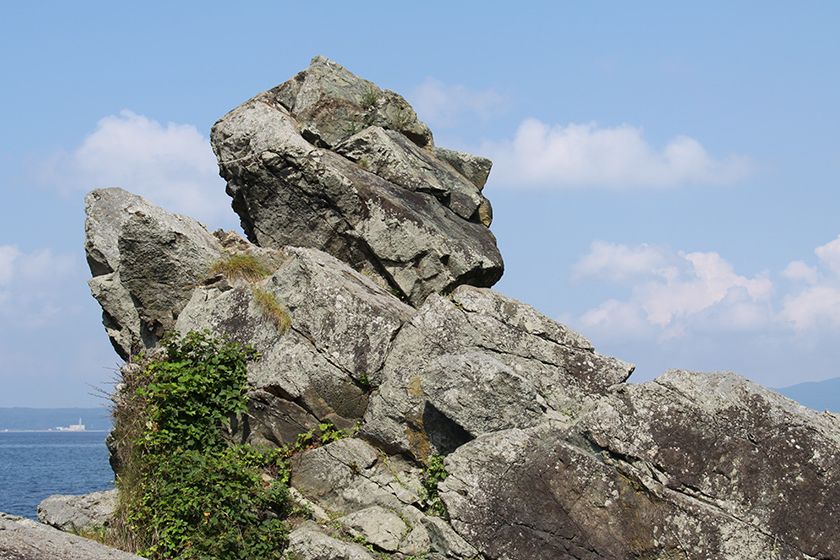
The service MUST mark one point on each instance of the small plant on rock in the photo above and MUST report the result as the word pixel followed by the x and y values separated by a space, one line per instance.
pixel 244 266
pixel 272 308
pixel 327 432
pixel 370 99
pixel 433 474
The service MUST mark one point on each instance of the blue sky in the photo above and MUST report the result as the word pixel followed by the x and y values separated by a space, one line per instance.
pixel 665 181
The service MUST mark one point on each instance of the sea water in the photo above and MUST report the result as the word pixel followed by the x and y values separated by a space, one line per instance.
pixel 34 465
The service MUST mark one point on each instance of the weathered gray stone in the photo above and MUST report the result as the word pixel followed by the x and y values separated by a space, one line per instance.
pixel 690 466
pixel 310 543
pixel 475 168
pixel 146 263
pixel 119 315
pixel 477 362
pixel 416 542
pixel 288 191
pixel 743 450
pixel 378 526
pixel 78 513
pixel 445 541
pixel 331 104
pixel 376 498
pixel 323 365
pixel 350 475
pixel 22 539
pixel 394 157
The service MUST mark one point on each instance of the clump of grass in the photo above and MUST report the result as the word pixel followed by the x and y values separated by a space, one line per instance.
pixel 273 309
pixel 98 533
pixel 241 266
pixel 370 99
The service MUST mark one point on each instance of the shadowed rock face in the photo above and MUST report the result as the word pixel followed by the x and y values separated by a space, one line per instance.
pixel 331 161
pixel 354 215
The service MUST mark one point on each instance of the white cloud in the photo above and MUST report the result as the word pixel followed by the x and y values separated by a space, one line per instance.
pixel 619 318
pixel 818 304
pixel 674 291
pixel 8 256
pixel 813 307
pixel 30 284
pixel 172 165
pixel 799 271
pixel 618 262
pixel 709 281
pixel 829 255
pixel 586 155
pixel 442 105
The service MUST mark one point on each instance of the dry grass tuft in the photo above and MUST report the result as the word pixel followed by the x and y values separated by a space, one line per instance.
pixel 273 309
pixel 130 420
pixel 242 266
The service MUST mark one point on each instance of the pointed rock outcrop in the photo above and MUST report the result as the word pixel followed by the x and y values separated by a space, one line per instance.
pixel 331 161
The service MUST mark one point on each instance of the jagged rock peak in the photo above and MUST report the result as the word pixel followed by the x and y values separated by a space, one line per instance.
pixel 331 161
pixel 330 102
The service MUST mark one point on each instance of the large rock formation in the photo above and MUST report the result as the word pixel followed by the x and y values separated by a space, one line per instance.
pixel 372 307
pixel 330 161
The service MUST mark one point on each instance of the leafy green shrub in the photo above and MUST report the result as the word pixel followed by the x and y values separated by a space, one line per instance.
pixel 184 491
pixel 433 474
pixel 198 504
pixel 241 266
pixel 193 392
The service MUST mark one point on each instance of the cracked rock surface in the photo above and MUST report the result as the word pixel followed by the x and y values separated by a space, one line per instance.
pixel 331 161
pixel 477 362
pixel 378 260
pixel 687 466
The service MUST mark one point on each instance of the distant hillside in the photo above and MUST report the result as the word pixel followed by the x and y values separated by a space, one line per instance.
pixel 49 418
pixel 820 395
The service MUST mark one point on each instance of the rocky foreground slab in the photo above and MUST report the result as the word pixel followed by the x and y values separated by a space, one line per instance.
pixel 23 539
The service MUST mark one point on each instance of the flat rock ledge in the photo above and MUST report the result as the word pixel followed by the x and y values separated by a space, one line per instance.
pixel 24 539
pixel 78 513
